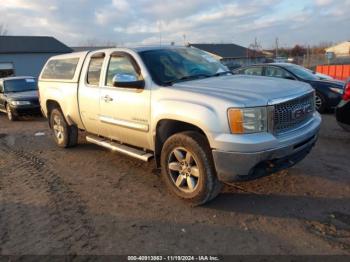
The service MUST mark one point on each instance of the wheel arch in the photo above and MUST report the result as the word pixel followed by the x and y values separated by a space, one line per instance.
pixel 165 128
pixel 51 105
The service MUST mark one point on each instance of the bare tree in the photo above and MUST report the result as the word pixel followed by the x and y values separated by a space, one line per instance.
pixel 254 49
pixel 3 30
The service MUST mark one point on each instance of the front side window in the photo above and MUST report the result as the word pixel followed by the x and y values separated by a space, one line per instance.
pixel 20 85
pixel 120 65
pixel 94 70
pixel 167 66
pixel 60 69
pixel 272 71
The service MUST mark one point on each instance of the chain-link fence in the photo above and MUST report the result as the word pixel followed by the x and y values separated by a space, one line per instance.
pixel 312 61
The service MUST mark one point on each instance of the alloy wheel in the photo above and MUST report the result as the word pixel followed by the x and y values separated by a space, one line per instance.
pixel 9 113
pixel 183 170
pixel 58 128
pixel 318 102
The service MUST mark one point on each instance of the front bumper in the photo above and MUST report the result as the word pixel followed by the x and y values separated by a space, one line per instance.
pixel 288 150
pixel 26 110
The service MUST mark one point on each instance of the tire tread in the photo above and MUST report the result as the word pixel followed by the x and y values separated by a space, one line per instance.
pixel 72 131
pixel 213 185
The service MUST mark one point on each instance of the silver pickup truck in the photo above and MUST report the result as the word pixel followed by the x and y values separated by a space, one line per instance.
pixel 202 125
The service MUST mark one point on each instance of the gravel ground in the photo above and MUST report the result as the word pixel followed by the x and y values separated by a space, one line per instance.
pixel 88 200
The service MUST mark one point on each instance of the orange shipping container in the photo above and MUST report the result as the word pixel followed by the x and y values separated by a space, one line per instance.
pixel 340 72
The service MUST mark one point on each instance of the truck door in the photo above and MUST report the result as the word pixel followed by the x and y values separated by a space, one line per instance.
pixel 126 109
pixel 89 92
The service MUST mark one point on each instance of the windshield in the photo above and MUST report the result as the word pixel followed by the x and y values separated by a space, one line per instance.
pixel 20 85
pixel 302 72
pixel 168 66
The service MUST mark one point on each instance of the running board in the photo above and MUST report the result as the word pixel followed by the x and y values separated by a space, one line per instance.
pixel 127 150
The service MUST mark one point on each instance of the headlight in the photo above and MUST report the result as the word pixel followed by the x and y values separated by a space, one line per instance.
pixel 337 90
pixel 20 103
pixel 247 120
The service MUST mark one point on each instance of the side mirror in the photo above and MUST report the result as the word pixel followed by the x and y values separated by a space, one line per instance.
pixel 127 81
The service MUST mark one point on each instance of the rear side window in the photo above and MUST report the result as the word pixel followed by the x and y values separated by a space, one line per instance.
pixel 277 72
pixel 255 71
pixel 62 69
pixel 94 70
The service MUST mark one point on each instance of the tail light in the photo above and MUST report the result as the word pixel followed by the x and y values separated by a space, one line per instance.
pixel 346 95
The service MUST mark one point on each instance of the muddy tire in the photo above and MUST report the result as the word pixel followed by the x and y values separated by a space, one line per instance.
pixel 65 135
pixel 10 115
pixel 188 168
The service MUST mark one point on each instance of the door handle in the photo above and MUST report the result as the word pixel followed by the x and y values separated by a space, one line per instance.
pixel 107 98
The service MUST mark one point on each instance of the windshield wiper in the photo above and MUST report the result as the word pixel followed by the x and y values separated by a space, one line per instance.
pixel 198 76
pixel 222 73
pixel 187 78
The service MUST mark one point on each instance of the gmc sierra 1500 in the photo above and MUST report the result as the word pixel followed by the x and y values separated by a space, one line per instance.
pixel 180 106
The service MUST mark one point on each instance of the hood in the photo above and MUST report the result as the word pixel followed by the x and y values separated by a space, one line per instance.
pixel 21 96
pixel 245 91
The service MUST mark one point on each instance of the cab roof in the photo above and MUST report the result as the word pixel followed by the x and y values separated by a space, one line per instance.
pixel 135 49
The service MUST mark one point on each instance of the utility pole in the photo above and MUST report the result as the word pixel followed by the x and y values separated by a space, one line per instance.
pixel 277 40
pixel 3 30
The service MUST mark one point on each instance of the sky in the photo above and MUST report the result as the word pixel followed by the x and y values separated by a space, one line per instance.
pixel 149 22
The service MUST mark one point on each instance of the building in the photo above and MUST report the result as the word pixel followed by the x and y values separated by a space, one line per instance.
pixel 339 50
pixel 232 55
pixel 26 55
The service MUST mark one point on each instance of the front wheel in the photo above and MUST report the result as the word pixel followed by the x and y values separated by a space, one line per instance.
pixel 10 114
pixel 188 168
pixel 64 135
pixel 320 103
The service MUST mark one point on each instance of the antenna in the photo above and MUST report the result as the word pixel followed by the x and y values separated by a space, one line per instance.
pixel 160 32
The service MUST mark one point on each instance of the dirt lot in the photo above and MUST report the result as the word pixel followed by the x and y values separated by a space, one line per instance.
pixel 88 200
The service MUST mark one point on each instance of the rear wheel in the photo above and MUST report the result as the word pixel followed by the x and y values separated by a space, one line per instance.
pixel 64 135
pixel 320 102
pixel 188 168
pixel 10 114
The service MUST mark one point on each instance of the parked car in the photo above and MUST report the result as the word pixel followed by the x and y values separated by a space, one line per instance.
pixel 320 75
pixel 323 76
pixel 328 92
pixel 280 60
pixel 201 124
pixel 19 96
pixel 342 111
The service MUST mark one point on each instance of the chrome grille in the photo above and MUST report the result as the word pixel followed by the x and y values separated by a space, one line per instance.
pixel 293 113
